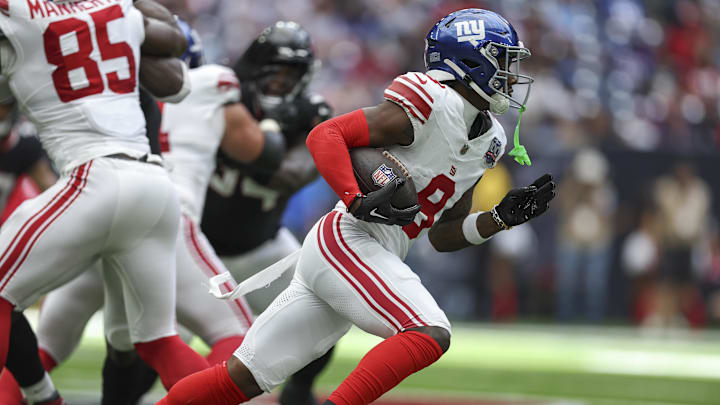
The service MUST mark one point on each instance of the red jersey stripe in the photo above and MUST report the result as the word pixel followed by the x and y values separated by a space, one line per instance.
pixel 163 136
pixel 412 96
pixel 402 103
pixel 406 79
pixel 5 7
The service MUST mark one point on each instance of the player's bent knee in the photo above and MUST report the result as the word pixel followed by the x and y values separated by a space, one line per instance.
pixel 440 335
pixel 243 378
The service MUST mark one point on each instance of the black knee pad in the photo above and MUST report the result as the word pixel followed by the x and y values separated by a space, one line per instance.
pixel 440 335
pixel 122 358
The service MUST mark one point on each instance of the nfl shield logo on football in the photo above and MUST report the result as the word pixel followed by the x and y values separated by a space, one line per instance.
pixel 383 175
pixel 493 152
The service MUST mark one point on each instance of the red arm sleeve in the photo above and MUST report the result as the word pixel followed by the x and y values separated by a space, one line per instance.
pixel 329 143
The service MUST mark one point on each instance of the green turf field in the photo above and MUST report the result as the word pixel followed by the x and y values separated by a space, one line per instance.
pixel 490 364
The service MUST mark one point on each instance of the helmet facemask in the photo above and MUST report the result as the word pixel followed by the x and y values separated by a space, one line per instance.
pixel 497 90
pixel 275 85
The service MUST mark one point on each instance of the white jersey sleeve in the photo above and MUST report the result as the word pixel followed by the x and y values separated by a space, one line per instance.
pixel 418 95
pixel 214 85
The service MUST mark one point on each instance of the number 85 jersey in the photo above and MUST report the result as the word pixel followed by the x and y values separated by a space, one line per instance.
pixel 73 68
pixel 443 161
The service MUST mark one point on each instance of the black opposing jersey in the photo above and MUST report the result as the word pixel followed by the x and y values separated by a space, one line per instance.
pixel 240 211
pixel 240 214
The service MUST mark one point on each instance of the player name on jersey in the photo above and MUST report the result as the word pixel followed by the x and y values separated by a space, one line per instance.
pixel 46 9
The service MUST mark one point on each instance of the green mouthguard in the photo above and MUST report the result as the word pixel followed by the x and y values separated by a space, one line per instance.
pixel 518 151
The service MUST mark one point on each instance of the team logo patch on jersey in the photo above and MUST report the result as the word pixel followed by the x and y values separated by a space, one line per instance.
pixel 383 175
pixel 493 152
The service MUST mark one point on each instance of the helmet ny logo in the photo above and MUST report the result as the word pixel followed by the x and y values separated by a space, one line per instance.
pixel 470 31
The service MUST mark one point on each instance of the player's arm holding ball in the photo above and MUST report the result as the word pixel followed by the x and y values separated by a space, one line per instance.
pixel 161 72
pixel 458 228
pixel 383 125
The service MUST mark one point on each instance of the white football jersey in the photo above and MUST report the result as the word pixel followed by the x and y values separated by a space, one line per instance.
pixel 442 161
pixel 73 68
pixel 191 132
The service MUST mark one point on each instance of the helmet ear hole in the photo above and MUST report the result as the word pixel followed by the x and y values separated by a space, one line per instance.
pixel 470 63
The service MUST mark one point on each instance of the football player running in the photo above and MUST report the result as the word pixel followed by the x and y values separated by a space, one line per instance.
pixel 274 73
pixel 113 201
pixel 351 271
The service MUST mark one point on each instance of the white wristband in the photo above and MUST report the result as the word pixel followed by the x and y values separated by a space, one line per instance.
pixel 470 231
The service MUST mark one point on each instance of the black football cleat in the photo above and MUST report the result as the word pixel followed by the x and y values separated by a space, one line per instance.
pixel 297 394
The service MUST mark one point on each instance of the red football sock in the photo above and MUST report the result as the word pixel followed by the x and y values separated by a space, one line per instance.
pixel 6 309
pixel 223 349
pixel 171 358
pixel 385 366
pixel 212 386
pixel 10 393
pixel 47 360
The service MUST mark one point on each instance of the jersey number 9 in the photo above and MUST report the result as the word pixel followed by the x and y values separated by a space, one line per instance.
pixel 81 58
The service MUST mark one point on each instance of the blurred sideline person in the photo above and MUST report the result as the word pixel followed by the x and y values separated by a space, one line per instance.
pixel 113 200
pixel 588 202
pixel 683 200
pixel 210 117
pixel 351 270
pixel 640 257
pixel 244 204
pixel 509 252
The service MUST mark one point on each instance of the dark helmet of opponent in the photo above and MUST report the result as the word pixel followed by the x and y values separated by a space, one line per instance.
pixel 278 64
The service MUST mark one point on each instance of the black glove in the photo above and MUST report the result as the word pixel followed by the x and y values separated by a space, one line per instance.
pixel 301 115
pixel 522 204
pixel 376 207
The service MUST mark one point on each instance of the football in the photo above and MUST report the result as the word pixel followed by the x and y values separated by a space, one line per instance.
pixel 374 169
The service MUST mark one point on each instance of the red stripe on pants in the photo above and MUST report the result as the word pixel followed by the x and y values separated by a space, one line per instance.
pixel 397 316
pixel 40 212
pixel 244 310
pixel 375 276
pixel 33 232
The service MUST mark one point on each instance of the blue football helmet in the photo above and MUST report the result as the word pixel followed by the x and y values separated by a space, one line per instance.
pixel 193 56
pixel 478 47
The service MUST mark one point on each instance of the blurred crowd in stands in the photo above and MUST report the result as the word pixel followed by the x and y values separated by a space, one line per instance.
pixel 624 111
pixel 640 74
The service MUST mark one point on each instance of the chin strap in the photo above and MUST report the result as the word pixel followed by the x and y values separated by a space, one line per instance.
pixel 518 151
